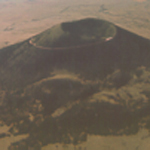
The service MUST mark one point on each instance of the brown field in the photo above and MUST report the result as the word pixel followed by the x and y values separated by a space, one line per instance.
pixel 134 142
pixel 140 1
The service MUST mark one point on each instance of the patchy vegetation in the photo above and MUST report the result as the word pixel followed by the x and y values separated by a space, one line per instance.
pixel 63 96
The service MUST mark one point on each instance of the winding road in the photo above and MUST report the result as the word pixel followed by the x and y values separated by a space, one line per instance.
pixel 69 47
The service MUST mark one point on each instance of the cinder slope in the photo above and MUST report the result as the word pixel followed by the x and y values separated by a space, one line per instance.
pixel 64 95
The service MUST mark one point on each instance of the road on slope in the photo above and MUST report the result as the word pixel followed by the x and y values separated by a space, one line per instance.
pixel 68 47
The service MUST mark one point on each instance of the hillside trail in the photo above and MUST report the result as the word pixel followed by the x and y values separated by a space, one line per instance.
pixel 69 47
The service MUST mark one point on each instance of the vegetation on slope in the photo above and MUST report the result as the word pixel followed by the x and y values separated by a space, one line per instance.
pixel 62 96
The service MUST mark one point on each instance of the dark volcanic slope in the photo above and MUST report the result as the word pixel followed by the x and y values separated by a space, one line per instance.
pixel 57 95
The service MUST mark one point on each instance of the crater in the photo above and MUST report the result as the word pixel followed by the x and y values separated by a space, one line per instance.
pixel 75 34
